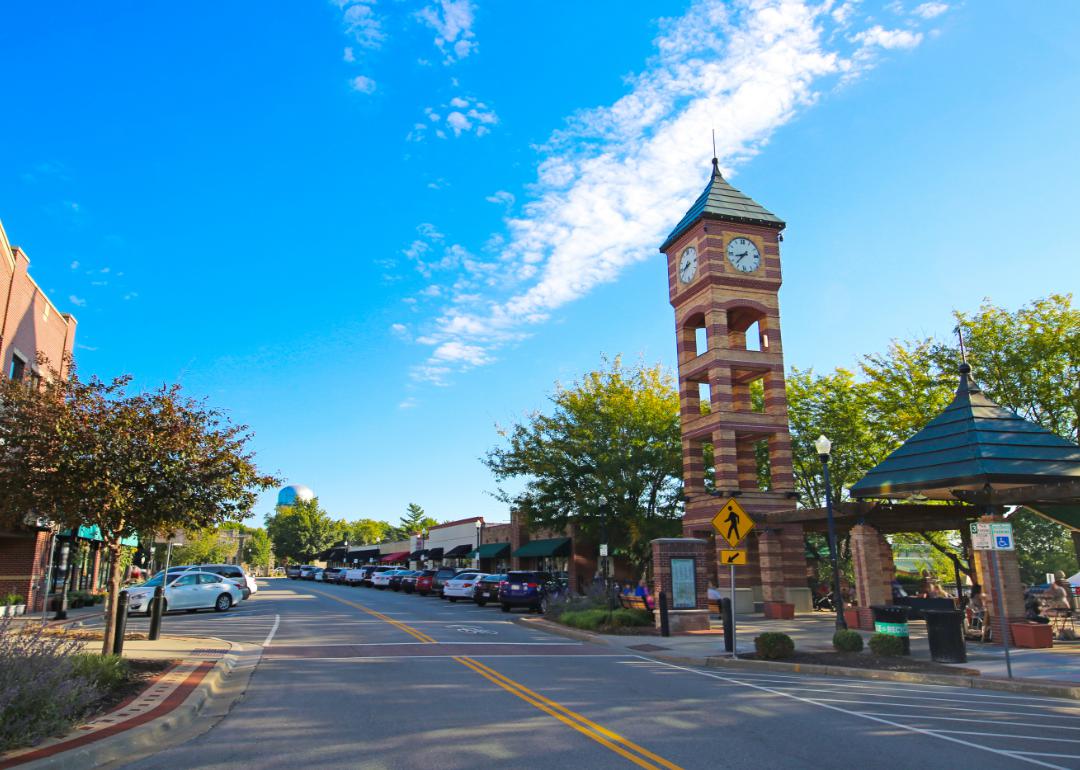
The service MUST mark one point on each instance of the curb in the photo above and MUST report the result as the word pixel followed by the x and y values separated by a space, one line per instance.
pixel 161 733
pixel 1024 686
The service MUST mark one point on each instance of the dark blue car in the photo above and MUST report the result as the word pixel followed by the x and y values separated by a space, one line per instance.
pixel 526 589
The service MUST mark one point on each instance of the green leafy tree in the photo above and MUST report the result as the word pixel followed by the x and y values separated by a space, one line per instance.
pixel 365 531
pixel 90 453
pixel 612 441
pixel 302 530
pixel 258 551
pixel 203 547
pixel 413 522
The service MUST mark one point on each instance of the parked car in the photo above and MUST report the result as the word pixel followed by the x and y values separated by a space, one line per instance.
pixel 380 578
pixel 353 576
pixel 335 575
pixel 396 578
pixel 424 581
pixel 461 585
pixel 318 574
pixel 292 572
pixel 235 573
pixel 191 590
pixel 307 572
pixel 487 589
pixel 526 589
pixel 441 576
pixel 408 582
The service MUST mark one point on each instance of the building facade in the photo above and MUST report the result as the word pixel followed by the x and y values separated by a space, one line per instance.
pixel 31 325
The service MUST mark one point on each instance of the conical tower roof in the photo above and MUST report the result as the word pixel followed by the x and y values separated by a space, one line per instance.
pixel 971 444
pixel 719 200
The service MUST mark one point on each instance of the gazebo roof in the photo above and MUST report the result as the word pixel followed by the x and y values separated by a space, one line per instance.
pixel 972 444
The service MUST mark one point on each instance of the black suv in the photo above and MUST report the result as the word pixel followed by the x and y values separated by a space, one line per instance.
pixel 527 589
pixel 439 579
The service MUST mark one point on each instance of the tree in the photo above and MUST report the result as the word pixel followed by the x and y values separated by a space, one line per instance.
pixel 89 453
pixel 203 547
pixel 365 531
pixel 257 549
pixel 413 522
pixel 302 530
pixel 611 443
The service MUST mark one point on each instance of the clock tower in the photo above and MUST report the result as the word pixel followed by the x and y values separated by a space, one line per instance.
pixel 724 276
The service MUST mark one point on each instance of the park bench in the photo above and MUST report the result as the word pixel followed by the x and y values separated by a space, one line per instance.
pixel 629 602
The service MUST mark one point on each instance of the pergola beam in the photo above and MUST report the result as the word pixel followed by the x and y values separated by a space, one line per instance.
pixel 1060 493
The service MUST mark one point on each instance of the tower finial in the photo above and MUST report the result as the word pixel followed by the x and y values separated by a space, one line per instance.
pixel 715 160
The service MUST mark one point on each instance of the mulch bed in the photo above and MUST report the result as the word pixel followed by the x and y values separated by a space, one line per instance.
pixel 867 660
pixel 90 636
pixel 140 674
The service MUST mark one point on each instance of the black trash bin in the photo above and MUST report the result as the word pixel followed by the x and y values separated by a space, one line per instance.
pixel 891 620
pixel 945 632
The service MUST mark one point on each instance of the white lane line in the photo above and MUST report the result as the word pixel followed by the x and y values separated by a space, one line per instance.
pixel 362 658
pixel 984 712
pixel 1020 736
pixel 862 715
pixel 270 636
pixel 1041 709
pixel 967 719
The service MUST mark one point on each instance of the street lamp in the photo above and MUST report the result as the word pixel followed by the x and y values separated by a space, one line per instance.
pixel 823 447
pixel 479 528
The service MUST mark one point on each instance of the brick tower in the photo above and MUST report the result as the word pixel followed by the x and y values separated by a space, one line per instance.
pixel 723 280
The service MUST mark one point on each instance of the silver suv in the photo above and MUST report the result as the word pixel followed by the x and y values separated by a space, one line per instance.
pixel 234 573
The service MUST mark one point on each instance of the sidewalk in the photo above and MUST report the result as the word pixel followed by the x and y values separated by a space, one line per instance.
pixel 1058 667
pixel 176 703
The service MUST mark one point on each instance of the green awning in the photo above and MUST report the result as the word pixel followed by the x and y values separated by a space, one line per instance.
pixel 1067 516
pixel 556 546
pixel 491 551
pixel 93 533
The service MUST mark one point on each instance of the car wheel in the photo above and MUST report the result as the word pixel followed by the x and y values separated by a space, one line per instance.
pixel 223 603
pixel 451 598
pixel 506 608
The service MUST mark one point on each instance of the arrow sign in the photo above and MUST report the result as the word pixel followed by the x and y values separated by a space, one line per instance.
pixel 733 557
pixel 732 523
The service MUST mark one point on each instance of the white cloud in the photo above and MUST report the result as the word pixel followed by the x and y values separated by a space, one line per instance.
pixel 502 197
pixel 460 115
pixel 76 301
pixel 888 39
pixel 363 84
pixel 409 403
pixel 612 184
pixel 348 56
pixel 400 330
pixel 75 265
pixel 362 22
pixel 930 10
pixel 452 21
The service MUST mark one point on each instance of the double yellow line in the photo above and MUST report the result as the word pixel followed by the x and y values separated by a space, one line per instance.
pixel 624 747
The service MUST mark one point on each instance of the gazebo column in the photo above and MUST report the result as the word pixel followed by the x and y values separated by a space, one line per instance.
pixel 871 587
pixel 771 562
pixel 1012 591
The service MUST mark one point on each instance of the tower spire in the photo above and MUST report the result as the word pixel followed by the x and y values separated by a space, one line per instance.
pixel 715 160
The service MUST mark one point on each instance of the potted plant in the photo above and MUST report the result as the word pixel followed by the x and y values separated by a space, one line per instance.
pixel 18 604
pixel 4 605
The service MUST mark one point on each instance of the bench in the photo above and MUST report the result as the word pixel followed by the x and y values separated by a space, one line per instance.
pixel 628 602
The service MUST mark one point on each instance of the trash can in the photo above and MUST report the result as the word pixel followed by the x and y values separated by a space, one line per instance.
pixel 891 620
pixel 945 632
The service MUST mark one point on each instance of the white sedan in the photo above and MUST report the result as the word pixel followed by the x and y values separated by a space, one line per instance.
pixel 192 590
pixel 382 579
pixel 461 586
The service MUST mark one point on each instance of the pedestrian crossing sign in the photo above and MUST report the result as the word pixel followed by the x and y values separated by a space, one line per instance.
pixel 732 523
pixel 733 557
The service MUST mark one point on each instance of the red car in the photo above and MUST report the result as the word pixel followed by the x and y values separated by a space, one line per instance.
pixel 423 581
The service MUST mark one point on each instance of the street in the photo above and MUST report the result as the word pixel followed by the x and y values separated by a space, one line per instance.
pixel 362 678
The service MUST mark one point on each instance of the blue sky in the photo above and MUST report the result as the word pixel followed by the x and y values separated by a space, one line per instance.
pixel 372 230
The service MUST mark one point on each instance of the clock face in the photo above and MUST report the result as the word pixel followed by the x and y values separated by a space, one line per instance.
pixel 743 255
pixel 688 264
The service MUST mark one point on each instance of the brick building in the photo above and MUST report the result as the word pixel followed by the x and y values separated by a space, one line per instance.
pixel 31 324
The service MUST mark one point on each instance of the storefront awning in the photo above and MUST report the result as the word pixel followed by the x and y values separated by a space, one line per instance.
pixel 390 558
pixel 556 546
pixel 417 555
pixel 362 555
pixel 491 551
pixel 434 553
pixel 458 552
pixel 93 533
pixel 333 554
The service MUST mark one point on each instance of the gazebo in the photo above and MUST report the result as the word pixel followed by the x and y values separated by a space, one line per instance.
pixel 979 454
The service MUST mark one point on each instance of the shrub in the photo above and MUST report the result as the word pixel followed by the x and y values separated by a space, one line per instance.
pixel 40 692
pixel 597 618
pixel 105 672
pixel 846 640
pixel 588 620
pixel 774 646
pixel 883 644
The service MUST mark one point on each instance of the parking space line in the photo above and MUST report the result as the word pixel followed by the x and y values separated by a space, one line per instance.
pixel 1024 757
pixel 1020 736
pixel 270 636
pixel 969 719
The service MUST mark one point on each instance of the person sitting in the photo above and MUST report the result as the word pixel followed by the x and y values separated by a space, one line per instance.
pixel 978 617
pixel 1063 594
pixel 1033 609
pixel 642 592
pixel 925 584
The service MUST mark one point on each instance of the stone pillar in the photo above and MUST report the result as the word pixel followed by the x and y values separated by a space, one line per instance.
pixel 681 618
pixel 796 590
pixel 771 562
pixel 871 587
pixel 724 460
pixel 1009 575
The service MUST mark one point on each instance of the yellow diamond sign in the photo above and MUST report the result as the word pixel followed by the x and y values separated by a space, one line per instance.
pixel 733 557
pixel 732 523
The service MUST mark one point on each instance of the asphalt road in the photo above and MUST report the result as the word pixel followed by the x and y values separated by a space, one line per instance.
pixel 359 678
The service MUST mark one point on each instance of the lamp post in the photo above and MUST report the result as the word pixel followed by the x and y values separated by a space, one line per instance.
pixel 479 528
pixel 823 447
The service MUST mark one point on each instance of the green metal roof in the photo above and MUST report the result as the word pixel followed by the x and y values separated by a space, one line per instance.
pixel 1066 515
pixel 556 546
pixel 93 532
pixel 972 443
pixel 719 200
pixel 491 551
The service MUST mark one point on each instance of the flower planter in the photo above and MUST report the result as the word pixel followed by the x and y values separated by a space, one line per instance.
pixel 779 611
pixel 20 609
pixel 1033 636
pixel 851 617
pixel 4 610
